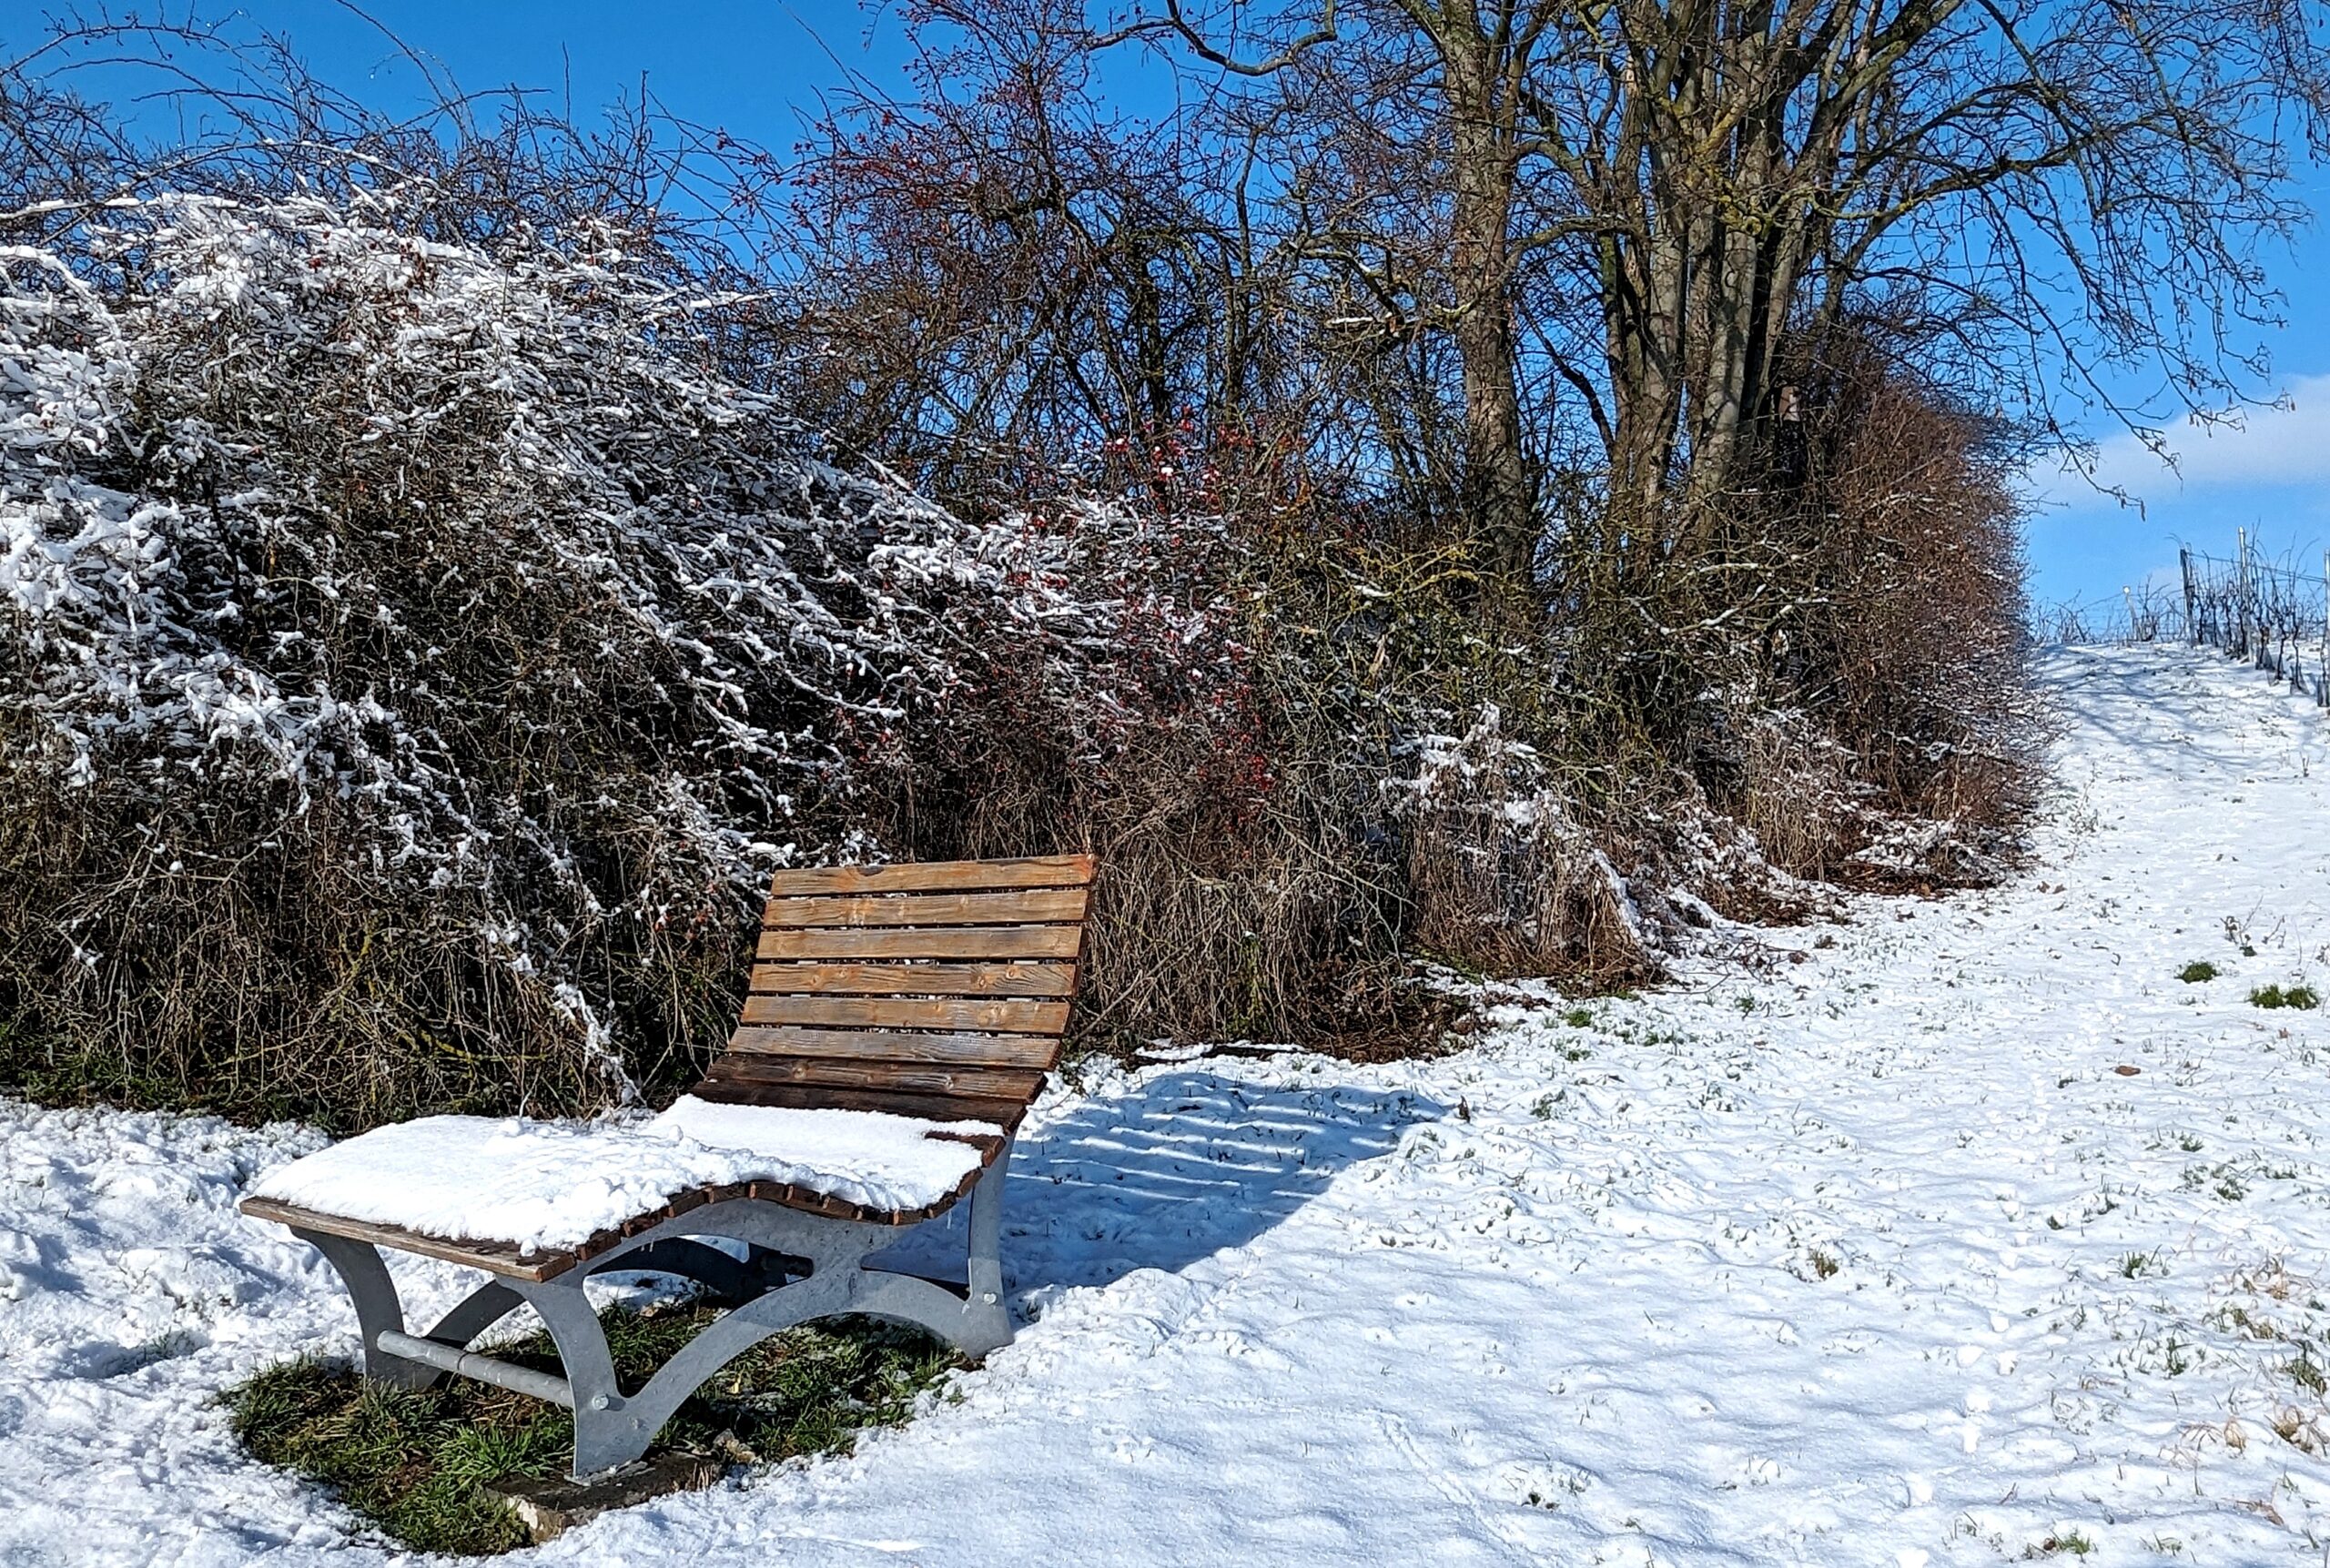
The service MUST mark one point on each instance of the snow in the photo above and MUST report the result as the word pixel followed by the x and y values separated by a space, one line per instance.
pixel 552 1185
pixel 1873 1257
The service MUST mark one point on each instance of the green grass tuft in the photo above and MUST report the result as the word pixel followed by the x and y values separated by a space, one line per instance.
pixel 2199 970
pixel 2307 1372
pixel 2294 996
pixel 416 1463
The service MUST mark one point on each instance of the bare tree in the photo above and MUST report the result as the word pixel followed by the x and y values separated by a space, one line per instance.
pixel 1405 127
pixel 1660 192
pixel 2062 190
pixel 1004 274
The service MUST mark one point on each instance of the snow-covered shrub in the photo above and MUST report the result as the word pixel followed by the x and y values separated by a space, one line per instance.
pixel 1797 792
pixel 1249 883
pixel 413 655
pixel 1903 677
pixel 1502 874
pixel 1831 653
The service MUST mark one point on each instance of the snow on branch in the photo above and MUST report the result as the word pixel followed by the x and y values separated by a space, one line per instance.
pixel 307 516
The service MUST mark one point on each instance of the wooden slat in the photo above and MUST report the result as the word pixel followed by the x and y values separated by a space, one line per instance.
pixel 959 942
pixel 793 1197
pixel 836 993
pixel 502 1257
pixel 1027 906
pixel 921 980
pixel 1016 1083
pixel 937 875
pixel 731 1081
pixel 997 1018
pixel 1040 1051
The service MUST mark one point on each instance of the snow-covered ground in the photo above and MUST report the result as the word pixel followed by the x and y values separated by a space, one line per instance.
pixel 1877 1256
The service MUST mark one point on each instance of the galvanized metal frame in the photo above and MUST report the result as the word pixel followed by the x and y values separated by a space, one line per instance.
pixel 801 1266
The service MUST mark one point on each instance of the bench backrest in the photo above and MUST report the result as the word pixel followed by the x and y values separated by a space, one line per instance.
pixel 936 989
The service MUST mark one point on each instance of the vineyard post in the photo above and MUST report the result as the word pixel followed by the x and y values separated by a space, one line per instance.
pixel 2185 565
pixel 2241 591
pixel 2127 598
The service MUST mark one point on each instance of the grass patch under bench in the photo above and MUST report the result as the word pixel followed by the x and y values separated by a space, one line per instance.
pixel 418 1464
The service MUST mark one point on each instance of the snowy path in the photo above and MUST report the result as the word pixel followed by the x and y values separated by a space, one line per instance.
pixel 1873 1259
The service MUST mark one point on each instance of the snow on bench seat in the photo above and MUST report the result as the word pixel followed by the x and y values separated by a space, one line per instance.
pixel 551 1185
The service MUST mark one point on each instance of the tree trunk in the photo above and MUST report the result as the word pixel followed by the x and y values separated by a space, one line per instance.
pixel 1500 494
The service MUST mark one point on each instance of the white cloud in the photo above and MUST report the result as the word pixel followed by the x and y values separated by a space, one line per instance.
pixel 2253 448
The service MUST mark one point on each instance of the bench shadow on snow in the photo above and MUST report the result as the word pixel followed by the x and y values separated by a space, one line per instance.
pixel 1176 1167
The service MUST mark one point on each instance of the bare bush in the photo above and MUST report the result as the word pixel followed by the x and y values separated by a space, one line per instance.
pixel 1845 669
pixel 1251 880
pixel 1918 656
pixel 415 657
pixel 1503 875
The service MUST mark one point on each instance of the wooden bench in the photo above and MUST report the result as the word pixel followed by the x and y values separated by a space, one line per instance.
pixel 937 992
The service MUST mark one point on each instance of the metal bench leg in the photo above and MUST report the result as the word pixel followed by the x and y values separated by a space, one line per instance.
pixel 611 1429
pixel 986 1323
pixel 971 1316
pixel 726 1280
pixel 623 1431
pixel 476 1313
pixel 603 1438
pixel 377 1307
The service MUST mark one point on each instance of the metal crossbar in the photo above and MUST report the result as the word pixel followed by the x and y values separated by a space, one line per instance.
pixel 469 1364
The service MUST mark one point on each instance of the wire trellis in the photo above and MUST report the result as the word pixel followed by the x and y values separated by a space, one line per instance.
pixel 2274 615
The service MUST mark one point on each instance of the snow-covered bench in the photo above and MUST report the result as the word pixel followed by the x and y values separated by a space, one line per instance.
pixel 900 1020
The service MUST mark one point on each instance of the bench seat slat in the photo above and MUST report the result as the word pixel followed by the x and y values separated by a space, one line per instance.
pixel 502 1257
pixel 735 1079
pixel 1002 1017
pixel 1026 907
pixel 976 1079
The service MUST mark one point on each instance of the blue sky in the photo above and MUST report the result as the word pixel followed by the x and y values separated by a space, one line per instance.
pixel 749 65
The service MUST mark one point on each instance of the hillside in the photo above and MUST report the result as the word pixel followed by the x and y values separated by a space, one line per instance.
pixel 1954 1232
